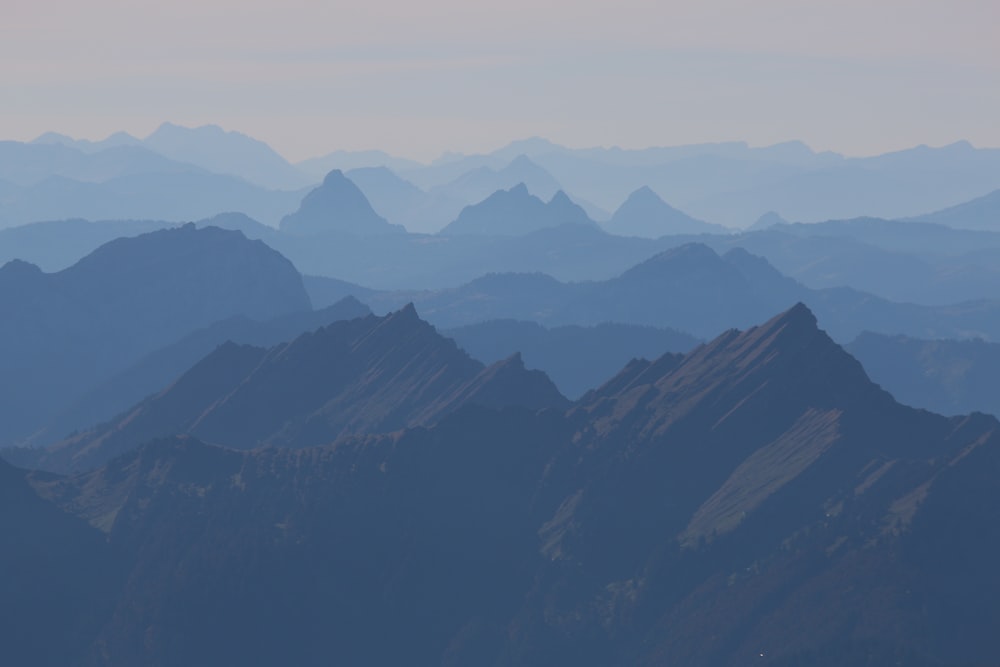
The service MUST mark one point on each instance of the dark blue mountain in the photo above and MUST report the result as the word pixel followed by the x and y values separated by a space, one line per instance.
pixel 63 333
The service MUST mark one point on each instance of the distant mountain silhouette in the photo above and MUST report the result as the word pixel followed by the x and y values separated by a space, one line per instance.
pixel 756 500
pixel 56 245
pixel 690 288
pixel 733 183
pixel 144 196
pixel 319 167
pixel 114 140
pixel 516 212
pixel 730 183
pixel 158 369
pixel 980 213
pixel 576 358
pixel 946 376
pixel 226 152
pixel 63 333
pixel 404 203
pixel 364 375
pixel 767 220
pixel 336 206
pixel 478 183
pixel 645 214
pixel 27 164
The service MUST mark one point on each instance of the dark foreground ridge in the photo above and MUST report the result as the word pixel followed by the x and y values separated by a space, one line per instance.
pixel 756 501
pixel 361 376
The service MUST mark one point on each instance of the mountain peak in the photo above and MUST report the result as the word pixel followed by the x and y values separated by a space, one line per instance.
pixel 335 178
pixel 337 205
pixel 522 161
pixel 519 190
pixel 407 313
pixel 516 212
pixel 645 193
pixel 800 313
pixel 644 213
pixel 768 219
pixel 19 268
pixel 560 198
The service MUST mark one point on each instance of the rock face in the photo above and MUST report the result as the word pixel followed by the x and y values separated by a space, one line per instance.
pixel 756 500
pixel 366 375
pixel 337 206
pixel 65 332
pixel 516 212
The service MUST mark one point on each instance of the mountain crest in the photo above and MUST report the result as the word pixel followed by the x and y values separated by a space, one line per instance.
pixel 645 214
pixel 517 212
pixel 337 206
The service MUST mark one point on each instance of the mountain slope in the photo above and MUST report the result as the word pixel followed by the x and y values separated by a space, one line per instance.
pixel 981 213
pixel 226 152
pixel 161 367
pixel 758 500
pixel 645 214
pixel 336 206
pixel 560 351
pixel 516 212
pixel 364 375
pixel 63 333
pixel 478 183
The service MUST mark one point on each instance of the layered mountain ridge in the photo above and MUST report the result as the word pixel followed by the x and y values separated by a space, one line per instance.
pixel 757 499
pixel 66 332
pixel 365 375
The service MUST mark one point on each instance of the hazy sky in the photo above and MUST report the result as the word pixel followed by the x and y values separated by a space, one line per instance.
pixel 418 78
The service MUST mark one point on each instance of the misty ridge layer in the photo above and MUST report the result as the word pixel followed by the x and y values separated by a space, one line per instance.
pixel 516 212
pixel 689 288
pixel 65 332
pixel 596 444
pixel 337 206
pixel 756 495
pixel 159 368
pixel 727 184
pixel 363 375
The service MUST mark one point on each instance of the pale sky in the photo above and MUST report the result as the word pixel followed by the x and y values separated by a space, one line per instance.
pixel 420 78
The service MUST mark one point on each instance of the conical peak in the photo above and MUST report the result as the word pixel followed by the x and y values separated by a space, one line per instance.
pixel 560 198
pixel 798 318
pixel 407 312
pixel 335 177
pixel 800 312
pixel 645 193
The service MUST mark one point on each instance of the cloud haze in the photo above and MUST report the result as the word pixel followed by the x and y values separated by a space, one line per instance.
pixel 415 79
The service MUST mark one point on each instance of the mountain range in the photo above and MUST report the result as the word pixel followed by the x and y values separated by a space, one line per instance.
pixel 516 212
pixel 758 499
pixel 689 288
pixel 730 184
pixel 558 351
pixel 336 206
pixel 645 214
pixel 63 333
pixel 620 431
pixel 360 376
